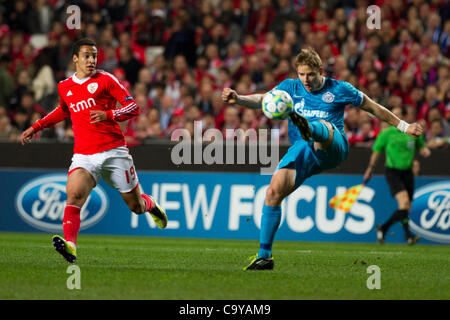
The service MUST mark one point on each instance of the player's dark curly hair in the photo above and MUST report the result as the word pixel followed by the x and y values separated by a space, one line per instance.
pixel 310 58
pixel 82 42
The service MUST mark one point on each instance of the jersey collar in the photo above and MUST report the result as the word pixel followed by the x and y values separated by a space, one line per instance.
pixel 81 81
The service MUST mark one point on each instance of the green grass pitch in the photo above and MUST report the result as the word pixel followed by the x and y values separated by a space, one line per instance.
pixel 118 267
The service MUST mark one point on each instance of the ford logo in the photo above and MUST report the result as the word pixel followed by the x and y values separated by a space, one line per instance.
pixel 41 203
pixel 430 212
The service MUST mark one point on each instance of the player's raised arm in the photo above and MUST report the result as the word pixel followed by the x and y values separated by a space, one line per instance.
pixel 413 129
pixel 252 101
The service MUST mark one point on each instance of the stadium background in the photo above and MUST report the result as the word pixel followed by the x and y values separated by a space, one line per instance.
pixel 175 57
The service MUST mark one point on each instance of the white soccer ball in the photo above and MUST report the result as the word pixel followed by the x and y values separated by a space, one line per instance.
pixel 277 104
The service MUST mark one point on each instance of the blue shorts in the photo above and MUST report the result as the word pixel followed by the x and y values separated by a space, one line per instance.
pixel 306 161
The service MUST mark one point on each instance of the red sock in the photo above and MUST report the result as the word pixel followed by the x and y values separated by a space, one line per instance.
pixel 148 202
pixel 71 223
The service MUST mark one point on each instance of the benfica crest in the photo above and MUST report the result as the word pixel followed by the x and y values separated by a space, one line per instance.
pixel 92 87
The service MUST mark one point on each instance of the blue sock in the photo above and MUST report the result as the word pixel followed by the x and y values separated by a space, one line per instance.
pixel 270 220
pixel 320 131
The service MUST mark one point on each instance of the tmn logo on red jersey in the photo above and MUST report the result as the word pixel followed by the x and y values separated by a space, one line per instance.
pixel 82 105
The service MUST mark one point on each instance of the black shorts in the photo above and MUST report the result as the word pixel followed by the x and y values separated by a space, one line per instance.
pixel 399 180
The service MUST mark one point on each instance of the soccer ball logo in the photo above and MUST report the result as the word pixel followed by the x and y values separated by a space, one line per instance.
pixel 277 104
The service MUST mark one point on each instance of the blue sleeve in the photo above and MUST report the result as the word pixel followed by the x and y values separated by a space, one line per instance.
pixel 349 94
pixel 285 85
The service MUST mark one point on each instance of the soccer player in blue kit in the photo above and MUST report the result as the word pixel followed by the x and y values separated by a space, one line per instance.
pixel 316 131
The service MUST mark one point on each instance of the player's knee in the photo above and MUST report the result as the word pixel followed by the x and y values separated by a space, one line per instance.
pixel 403 201
pixel 404 204
pixel 76 197
pixel 274 196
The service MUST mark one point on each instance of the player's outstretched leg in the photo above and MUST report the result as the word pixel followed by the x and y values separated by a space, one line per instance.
pixel 157 213
pixel 65 248
pixel 282 185
pixel 71 226
pixel 270 220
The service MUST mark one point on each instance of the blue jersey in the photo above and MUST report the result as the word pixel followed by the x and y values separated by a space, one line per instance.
pixel 327 103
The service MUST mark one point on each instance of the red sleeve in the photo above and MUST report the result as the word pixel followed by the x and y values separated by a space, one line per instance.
pixel 60 113
pixel 129 107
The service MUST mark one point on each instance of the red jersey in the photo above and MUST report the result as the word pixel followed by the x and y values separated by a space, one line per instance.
pixel 100 91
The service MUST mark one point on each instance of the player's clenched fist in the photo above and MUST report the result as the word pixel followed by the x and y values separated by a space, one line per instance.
pixel 414 130
pixel 229 96
pixel 27 135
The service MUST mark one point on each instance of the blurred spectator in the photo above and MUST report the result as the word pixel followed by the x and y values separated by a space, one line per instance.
pixel 208 122
pixel 417 97
pixel 166 110
pixel 129 64
pixel 29 105
pixel 394 102
pixel 285 12
pixel 365 129
pixel 396 59
pixel 193 113
pixel 143 102
pixel 431 101
pixel 261 19
pixel 390 83
pixel 21 120
pixel 40 16
pixel 24 60
pixel 43 83
pixel 375 91
pixel 7 131
pixel 182 40
pixel 231 121
pixel 249 118
pixel 406 83
pixel 6 80
pixel 18 16
pixel 153 116
pixel 205 96
pixel 436 114
pixel 351 121
pixel 141 133
pixel 243 15
pixel 110 62
pixel 173 55
pixel 177 121
pixel 23 84
pixel 156 94
pixel 136 50
pixel 436 139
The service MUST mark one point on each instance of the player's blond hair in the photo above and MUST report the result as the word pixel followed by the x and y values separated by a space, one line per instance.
pixel 310 58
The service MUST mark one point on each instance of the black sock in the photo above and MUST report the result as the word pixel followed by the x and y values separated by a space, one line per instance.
pixel 395 217
pixel 405 223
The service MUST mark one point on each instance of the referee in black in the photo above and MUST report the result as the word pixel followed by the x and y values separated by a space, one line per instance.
pixel 400 151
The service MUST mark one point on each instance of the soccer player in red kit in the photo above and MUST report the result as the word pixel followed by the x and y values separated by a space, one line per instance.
pixel 89 98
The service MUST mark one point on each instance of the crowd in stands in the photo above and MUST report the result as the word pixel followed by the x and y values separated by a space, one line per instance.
pixel 175 57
